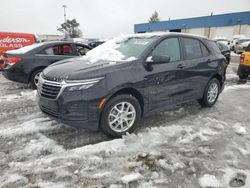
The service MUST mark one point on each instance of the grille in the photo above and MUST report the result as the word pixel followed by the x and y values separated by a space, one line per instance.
pixel 50 90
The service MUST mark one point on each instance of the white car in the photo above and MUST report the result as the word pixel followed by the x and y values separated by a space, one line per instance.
pixel 233 41
pixel 241 45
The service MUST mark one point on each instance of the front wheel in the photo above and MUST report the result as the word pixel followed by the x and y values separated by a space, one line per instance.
pixel 211 93
pixel 120 115
pixel 34 79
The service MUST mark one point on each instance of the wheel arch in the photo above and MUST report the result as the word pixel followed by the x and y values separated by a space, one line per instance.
pixel 218 77
pixel 125 90
pixel 36 69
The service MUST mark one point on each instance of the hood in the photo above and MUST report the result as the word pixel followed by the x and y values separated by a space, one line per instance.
pixel 80 69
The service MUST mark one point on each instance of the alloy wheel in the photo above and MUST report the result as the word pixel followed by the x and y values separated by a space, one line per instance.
pixel 122 117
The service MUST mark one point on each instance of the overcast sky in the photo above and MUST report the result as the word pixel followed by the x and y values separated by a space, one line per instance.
pixel 104 18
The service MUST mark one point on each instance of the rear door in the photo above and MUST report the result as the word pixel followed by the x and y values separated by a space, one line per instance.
pixel 195 71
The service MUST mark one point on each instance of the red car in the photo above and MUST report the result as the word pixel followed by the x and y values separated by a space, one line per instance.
pixel 11 41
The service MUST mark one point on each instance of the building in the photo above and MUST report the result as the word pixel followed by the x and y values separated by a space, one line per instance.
pixel 47 38
pixel 223 25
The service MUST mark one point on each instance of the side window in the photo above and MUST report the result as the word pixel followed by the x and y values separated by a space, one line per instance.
pixel 59 50
pixel 81 50
pixel 192 48
pixel 204 50
pixel 169 47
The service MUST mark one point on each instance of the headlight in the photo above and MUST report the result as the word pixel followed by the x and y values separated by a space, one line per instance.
pixel 77 85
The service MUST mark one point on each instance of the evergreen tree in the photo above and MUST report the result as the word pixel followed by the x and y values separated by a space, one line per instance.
pixel 154 18
pixel 70 29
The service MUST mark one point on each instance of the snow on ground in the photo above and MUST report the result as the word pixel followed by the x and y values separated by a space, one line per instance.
pixel 189 147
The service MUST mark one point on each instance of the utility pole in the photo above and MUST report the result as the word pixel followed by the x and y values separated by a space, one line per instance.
pixel 65 19
pixel 64 10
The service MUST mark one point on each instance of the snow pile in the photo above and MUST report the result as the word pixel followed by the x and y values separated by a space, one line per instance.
pixel 131 177
pixel 28 95
pixel 237 87
pixel 209 181
pixel 239 129
pixel 106 51
pixel 28 127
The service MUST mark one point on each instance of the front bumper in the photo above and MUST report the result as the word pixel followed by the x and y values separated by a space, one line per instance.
pixel 243 70
pixel 72 109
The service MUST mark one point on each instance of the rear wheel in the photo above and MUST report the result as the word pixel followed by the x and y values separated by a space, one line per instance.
pixel 211 93
pixel 120 115
pixel 34 78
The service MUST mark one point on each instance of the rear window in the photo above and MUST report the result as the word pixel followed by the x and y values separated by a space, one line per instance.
pixel 248 48
pixel 222 46
pixel 192 48
pixel 214 46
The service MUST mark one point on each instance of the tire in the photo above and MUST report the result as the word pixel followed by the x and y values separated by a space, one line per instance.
pixel 212 88
pixel 243 76
pixel 110 113
pixel 33 77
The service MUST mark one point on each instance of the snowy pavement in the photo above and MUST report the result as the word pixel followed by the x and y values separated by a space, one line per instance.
pixel 190 147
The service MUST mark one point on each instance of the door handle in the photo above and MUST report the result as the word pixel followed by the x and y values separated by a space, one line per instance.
pixel 180 66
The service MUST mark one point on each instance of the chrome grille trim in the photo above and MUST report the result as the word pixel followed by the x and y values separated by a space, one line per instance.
pixel 49 89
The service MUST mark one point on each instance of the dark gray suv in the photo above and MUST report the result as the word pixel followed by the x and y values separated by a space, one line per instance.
pixel 124 79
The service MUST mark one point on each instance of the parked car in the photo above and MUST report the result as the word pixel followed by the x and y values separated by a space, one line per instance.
pixel 224 50
pixel 233 41
pixel 11 41
pixel 25 64
pixel 223 40
pixel 241 45
pixel 244 66
pixel 127 78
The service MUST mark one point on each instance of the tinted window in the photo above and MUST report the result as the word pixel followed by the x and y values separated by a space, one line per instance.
pixel 213 46
pixel 248 48
pixel 59 50
pixel 81 50
pixel 222 46
pixel 204 50
pixel 192 48
pixel 168 47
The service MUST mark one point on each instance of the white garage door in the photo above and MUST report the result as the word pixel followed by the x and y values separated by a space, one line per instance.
pixel 248 31
pixel 226 32
pixel 197 31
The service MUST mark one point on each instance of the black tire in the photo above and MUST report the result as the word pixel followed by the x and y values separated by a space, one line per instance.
pixel 104 123
pixel 243 76
pixel 205 101
pixel 32 78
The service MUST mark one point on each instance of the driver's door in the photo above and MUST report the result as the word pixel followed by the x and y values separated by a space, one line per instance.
pixel 163 80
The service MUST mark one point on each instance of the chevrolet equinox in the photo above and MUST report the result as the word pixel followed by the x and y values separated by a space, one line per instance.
pixel 131 76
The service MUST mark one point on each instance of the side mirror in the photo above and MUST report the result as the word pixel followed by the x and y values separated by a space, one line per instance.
pixel 237 43
pixel 158 59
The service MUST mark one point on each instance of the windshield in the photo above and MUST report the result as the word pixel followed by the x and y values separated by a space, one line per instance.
pixel 244 40
pixel 120 49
